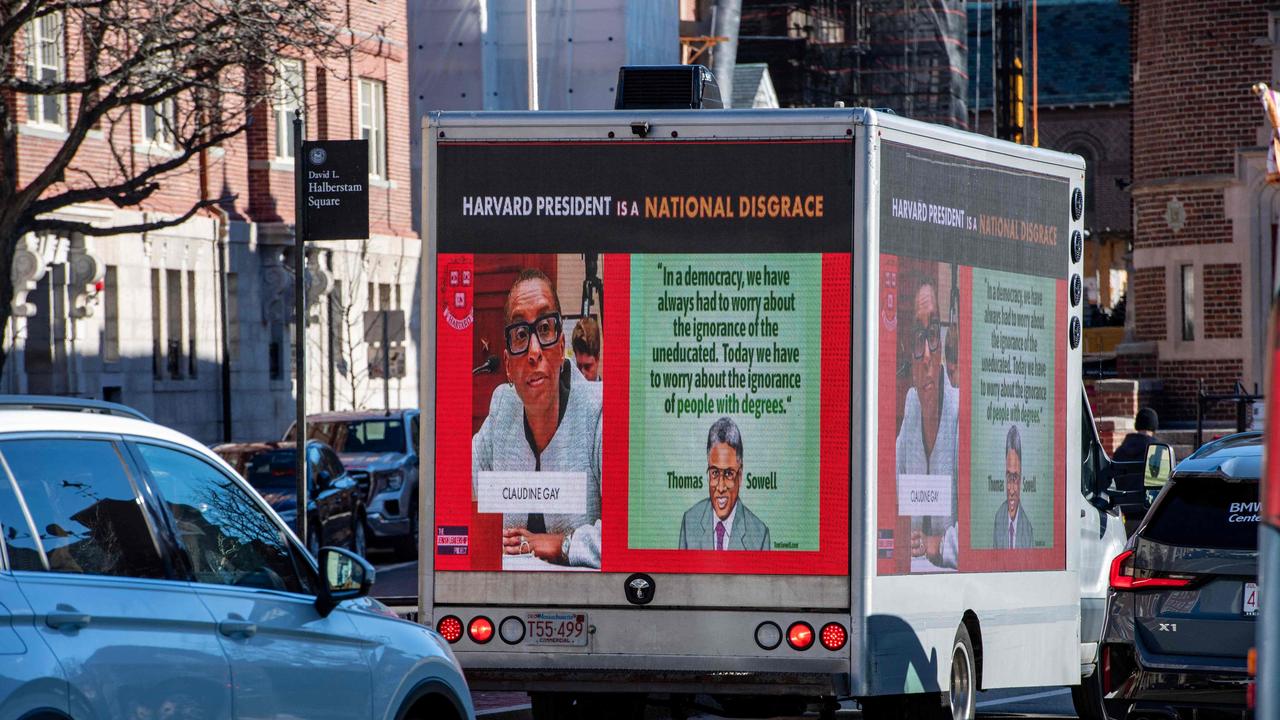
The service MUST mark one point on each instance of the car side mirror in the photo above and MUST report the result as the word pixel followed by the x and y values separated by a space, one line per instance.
pixel 1159 463
pixel 343 576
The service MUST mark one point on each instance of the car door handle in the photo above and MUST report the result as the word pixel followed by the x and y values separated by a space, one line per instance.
pixel 68 618
pixel 238 628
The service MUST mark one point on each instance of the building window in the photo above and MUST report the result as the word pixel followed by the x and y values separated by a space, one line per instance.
pixel 173 323
pixel 192 356
pixel 111 315
pixel 289 95
pixel 373 124
pixel 157 326
pixel 1188 302
pixel 46 64
pixel 159 121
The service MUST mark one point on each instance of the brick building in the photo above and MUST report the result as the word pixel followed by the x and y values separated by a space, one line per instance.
pixel 1204 221
pixel 139 319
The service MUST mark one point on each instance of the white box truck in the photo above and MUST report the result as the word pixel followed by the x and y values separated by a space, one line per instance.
pixel 757 404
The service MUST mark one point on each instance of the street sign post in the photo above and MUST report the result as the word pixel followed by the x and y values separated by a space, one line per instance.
pixel 336 192
pixel 331 191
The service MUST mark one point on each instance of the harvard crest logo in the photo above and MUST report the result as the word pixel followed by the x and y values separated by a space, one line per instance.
pixel 456 284
pixel 889 299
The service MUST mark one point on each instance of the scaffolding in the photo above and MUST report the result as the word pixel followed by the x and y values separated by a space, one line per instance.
pixel 905 55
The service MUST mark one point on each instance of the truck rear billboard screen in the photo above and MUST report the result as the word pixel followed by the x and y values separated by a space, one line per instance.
pixel 972 404
pixel 643 358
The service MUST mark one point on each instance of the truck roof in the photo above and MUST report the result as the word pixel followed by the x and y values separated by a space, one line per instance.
pixel 586 125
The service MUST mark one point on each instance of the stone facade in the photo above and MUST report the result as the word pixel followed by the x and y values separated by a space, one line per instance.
pixel 139 318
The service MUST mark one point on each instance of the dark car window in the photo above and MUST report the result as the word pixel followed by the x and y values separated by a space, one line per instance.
pixel 414 433
pixel 330 463
pixel 229 539
pixel 84 506
pixel 1207 512
pixel 381 435
pixel 273 470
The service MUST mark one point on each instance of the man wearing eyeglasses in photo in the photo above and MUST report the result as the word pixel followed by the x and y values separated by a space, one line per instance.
pixel 927 441
pixel 722 521
pixel 546 418
pixel 1012 527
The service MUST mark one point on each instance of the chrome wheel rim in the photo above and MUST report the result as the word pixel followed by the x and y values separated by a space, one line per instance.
pixel 961 685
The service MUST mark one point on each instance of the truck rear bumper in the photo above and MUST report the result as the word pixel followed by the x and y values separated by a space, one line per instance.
pixel 677 674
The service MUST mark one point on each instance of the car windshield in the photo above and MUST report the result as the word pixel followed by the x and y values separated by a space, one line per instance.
pixel 275 470
pixel 1207 512
pixel 380 435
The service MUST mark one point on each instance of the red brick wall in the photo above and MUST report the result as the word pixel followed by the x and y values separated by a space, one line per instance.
pixel 1223 315
pixel 262 194
pixel 1180 380
pixel 1149 303
pixel 1194 62
pixel 1205 220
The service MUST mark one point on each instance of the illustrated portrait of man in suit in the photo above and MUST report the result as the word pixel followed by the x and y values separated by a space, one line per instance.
pixel 1012 526
pixel 722 521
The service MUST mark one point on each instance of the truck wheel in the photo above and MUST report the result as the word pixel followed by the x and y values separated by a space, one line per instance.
pixel 963 697
pixel 1087 698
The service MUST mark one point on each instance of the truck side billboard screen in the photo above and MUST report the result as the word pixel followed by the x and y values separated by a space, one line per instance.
pixel 972 402
pixel 643 356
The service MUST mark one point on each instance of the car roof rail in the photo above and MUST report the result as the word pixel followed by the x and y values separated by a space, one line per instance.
pixel 69 404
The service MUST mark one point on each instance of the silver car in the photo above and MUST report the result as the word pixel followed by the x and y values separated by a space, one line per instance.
pixel 140 577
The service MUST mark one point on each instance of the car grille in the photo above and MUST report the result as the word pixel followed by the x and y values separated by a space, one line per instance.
pixel 362 480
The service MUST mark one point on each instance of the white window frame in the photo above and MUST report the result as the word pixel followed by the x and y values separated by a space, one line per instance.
pixel 160 134
pixel 46 61
pixel 290 94
pixel 373 124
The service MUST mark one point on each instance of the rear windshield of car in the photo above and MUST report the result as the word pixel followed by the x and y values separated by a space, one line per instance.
pixel 276 469
pixel 361 436
pixel 1207 512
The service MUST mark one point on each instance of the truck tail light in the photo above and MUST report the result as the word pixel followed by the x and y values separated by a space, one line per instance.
pixel 511 630
pixel 1125 577
pixel 800 635
pixel 833 636
pixel 768 635
pixel 450 628
pixel 480 630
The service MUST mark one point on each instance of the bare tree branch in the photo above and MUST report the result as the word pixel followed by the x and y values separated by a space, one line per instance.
pixel 214 60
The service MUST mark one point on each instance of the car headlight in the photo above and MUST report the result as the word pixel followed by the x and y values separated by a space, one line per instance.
pixel 392 480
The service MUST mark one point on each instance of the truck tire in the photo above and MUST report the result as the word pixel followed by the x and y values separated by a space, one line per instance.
pixel 963 696
pixel 1087 698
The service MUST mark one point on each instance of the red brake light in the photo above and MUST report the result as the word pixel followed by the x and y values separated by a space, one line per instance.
pixel 480 630
pixel 833 636
pixel 1124 577
pixel 450 628
pixel 800 635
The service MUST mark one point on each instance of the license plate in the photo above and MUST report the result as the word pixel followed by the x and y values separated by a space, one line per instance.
pixel 545 628
pixel 1250 599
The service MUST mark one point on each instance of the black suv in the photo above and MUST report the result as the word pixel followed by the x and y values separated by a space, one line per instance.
pixel 1184 593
